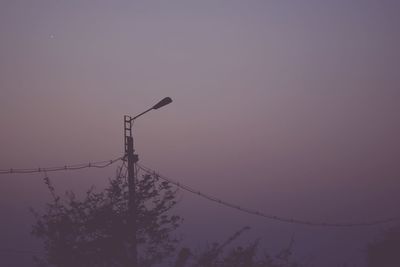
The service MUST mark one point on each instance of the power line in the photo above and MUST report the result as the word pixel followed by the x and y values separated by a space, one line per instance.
pixel 103 164
pixel 97 164
pixel 268 216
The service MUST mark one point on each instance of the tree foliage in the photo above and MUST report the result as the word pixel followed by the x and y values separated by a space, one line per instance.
pixel 94 231
pixel 224 255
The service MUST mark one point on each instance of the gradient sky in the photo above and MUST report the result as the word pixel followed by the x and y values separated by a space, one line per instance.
pixel 288 107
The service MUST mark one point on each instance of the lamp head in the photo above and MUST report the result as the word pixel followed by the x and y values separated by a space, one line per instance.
pixel 162 103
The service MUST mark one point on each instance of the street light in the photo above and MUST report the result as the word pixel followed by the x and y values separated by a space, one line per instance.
pixel 165 101
pixel 162 103
pixel 132 159
pixel 128 120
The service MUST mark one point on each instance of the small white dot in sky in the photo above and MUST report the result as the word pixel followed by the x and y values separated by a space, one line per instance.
pixel 51 36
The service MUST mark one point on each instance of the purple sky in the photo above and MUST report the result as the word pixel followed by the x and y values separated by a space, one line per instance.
pixel 289 107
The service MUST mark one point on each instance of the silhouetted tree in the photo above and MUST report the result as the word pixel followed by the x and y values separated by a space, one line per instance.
pixel 239 256
pixel 94 231
pixel 385 251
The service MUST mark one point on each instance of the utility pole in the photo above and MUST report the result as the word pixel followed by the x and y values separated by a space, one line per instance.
pixel 132 160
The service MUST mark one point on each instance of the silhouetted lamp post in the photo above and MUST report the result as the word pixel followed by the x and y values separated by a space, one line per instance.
pixel 132 159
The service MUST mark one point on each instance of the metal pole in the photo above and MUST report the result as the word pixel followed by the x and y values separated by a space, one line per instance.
pixel 132 159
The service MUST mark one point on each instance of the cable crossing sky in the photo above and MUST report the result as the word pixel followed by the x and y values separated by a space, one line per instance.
pixel 104 164
pixel 268 216
pixel 97 164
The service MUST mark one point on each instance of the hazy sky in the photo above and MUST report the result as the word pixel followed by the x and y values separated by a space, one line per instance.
pixel 288 107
